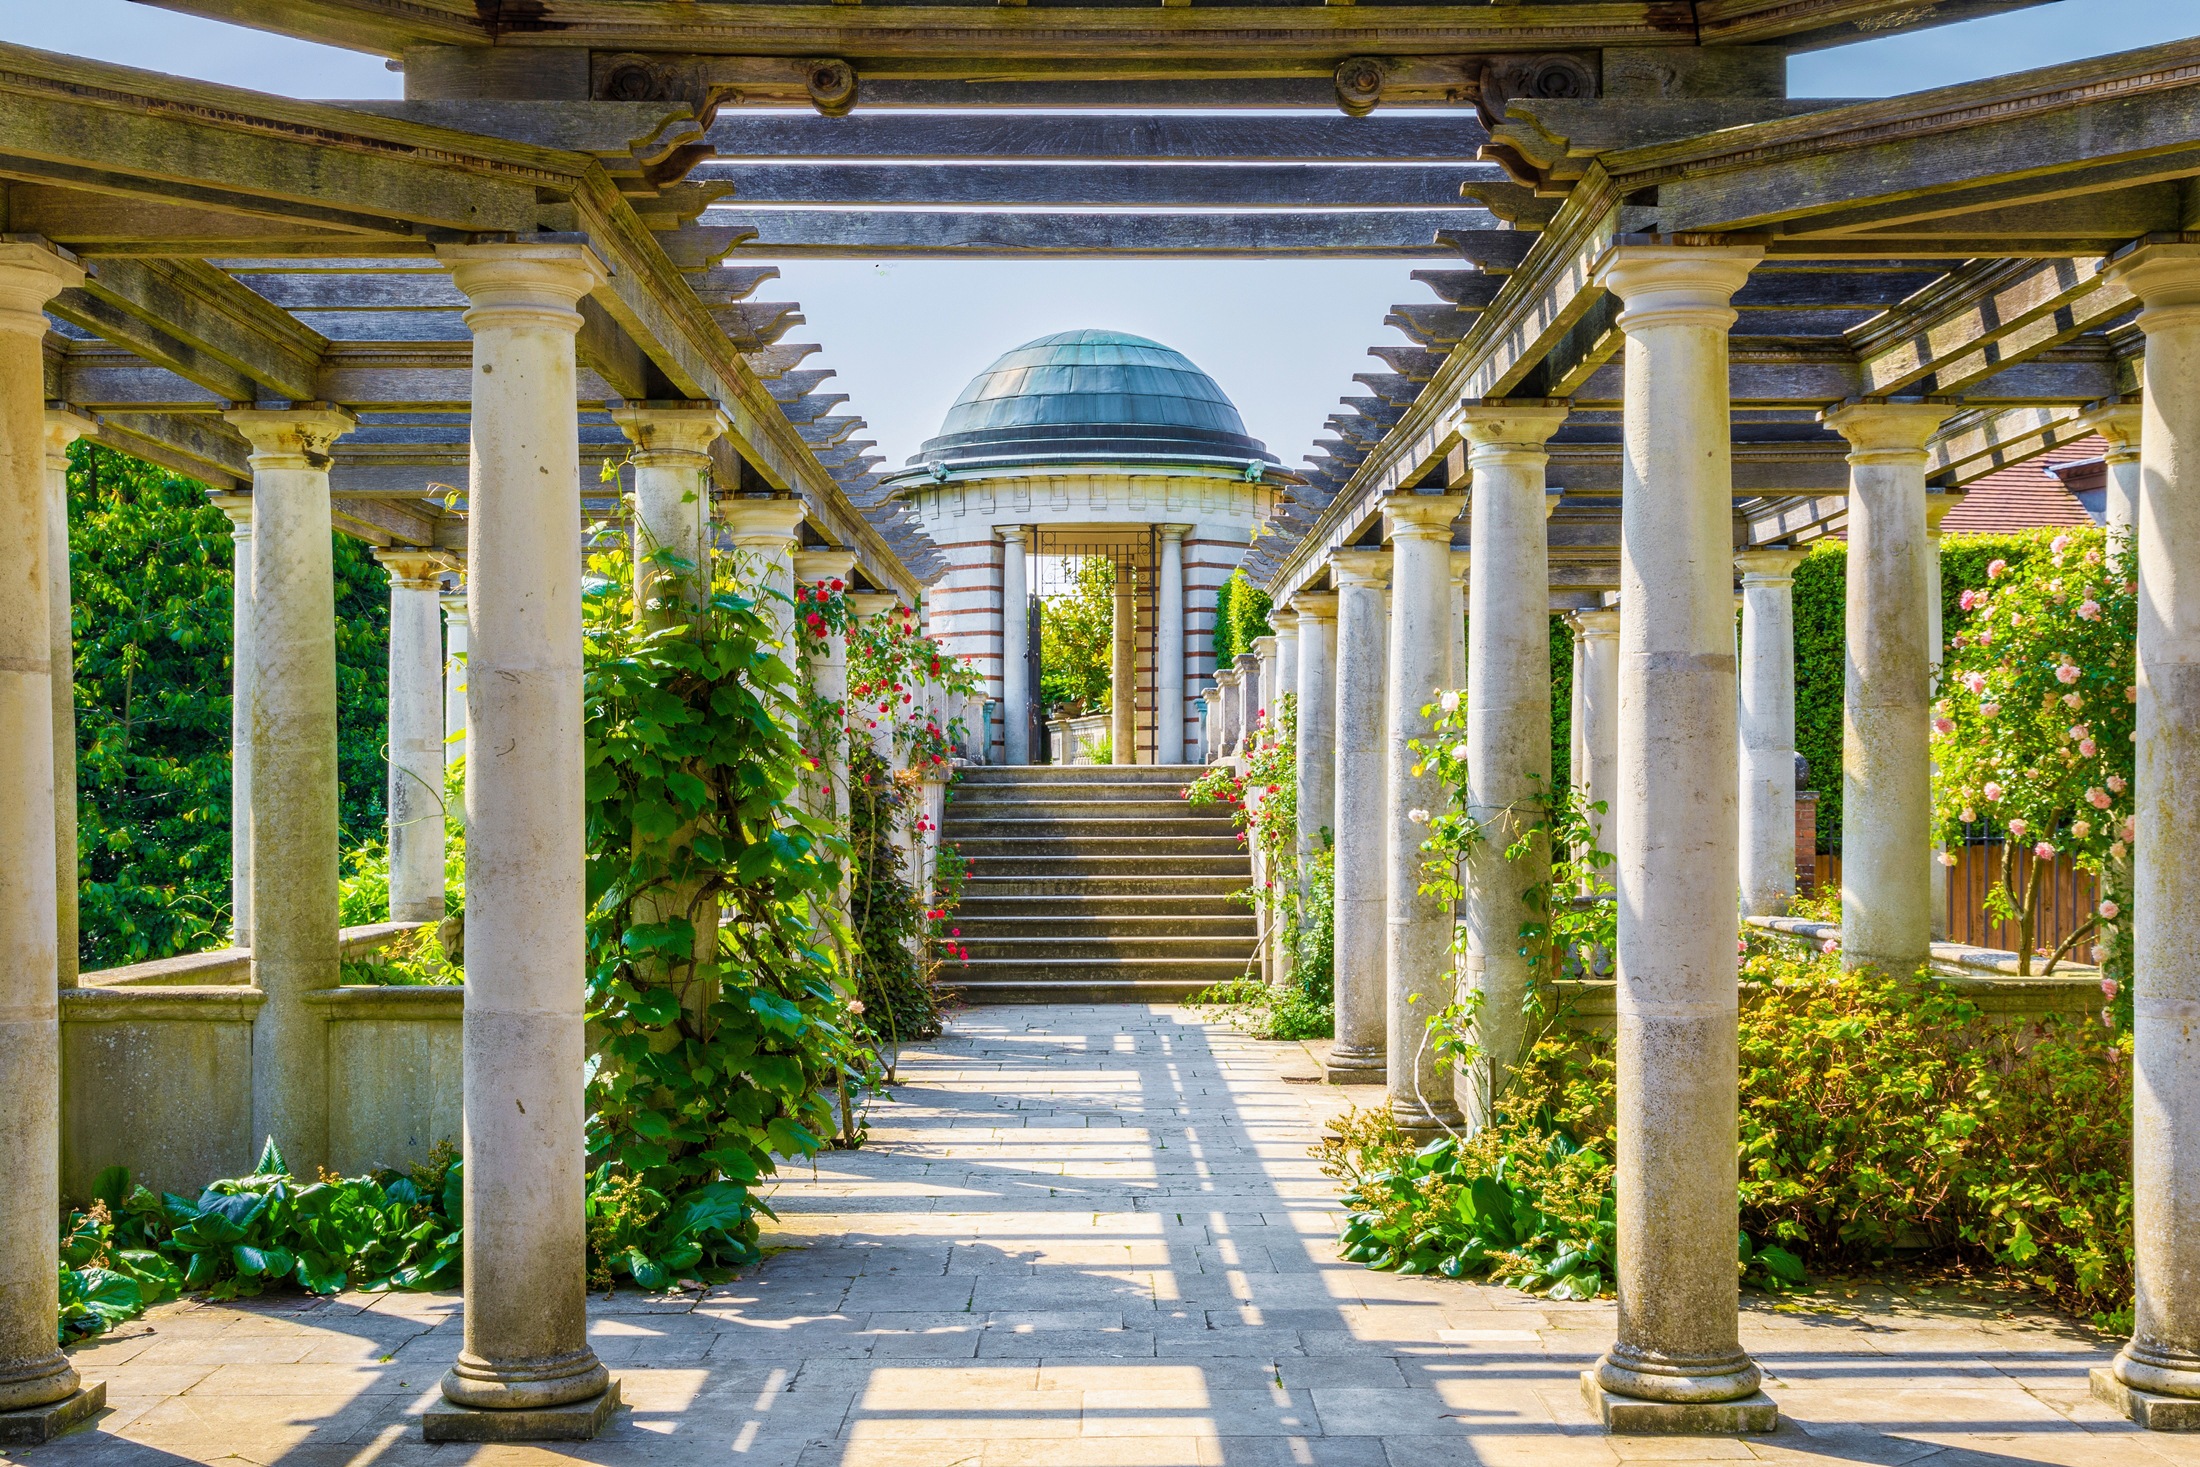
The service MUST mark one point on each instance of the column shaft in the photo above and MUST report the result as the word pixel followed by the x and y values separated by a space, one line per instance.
pixel 1317 704
pixel 1768 729
pixel 417 837
pixel 763 534
pixel 1016 689
pixel 295 834
pixel 1599 735
pixel 2119 423
pixel 826 573
pixel 454 677
pixel 1360 789
pixel 1677 836
pixel 1222 726
pixel 1168 699
pixel 238 507
pixel 1123 671
pixel 62 429
pixel 526 1339
pixel 1249 705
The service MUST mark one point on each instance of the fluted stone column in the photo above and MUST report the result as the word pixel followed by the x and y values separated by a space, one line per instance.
pixel 1768 729
pixel 2163 1356
pixel 1317 748
pixel 1168 697
pixel 1417 951
pixel 35 1377
pixel 1249 695
pixel 1360 793
pixel 2119 424
pixel 416 735
pixel 1677 841
pixel 1016 689
pixel 295 948
pixel 1508 685
pixel 1222 729
pixel 526 1344
pixel 828 667
pixel 454 676
pixel 764 534
pixel 1887 864
pixel 238 507
pixel 62 429
pixel 1123 671
pixel 672 497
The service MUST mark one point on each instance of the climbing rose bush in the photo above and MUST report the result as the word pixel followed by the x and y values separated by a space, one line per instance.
pixel 2033 728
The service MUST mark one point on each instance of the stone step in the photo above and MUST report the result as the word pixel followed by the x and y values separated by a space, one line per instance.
pixel 986 808
pixel 1037 774
pixel 1147 863
pixel 1081 846
pixel 1087 926
pixel 1152 832
pixel 1188 975
pixel 1106 893
pixel 1066 948
pixel 1016 990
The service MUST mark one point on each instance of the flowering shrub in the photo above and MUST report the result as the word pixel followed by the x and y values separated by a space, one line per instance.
pixel 890 664
pixel 2033 728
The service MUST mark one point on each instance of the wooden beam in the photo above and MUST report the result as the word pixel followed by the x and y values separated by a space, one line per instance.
pixel 1803 25
pixel 829 234
pixel 1982 318
pixel 192 318
pixel 198 445
pixel 1387 137
pixel 1072 185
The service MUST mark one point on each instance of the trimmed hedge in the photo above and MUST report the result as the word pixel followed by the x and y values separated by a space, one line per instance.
pixel 1241 614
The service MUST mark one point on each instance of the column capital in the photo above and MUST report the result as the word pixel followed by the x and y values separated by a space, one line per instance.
pixel 1010 534
pixel 1881 429
pixel 239 509
pixel 1248 661
pixel 454 606
pixel 1937 504
pixel 1770 567
pixel 1462 565
pixel 1172 532
pixel 1597 626
pixel 2118 422
pixel 1676 285
pixel 297 437
pixel 812 566
pixel 412 568
pixel 1227 676
pixel 671 430
pixel 1285 619
pixel 508 283
pixel 32 274
pixel 870 605
pixel 1361 567
pixel 64 425
pixel 1423 516
pixel 1263 647
pixel 1496 426
pixel 761 521
pixel 1316 606
pixel 2165 278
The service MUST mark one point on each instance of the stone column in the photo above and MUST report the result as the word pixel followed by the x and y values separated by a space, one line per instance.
pixel 454 676
pixel 1417 952
pixel 2164 1354
pixel 35 1377
pixel 825 572
pixel 1266 683
pixel 526 1344
pixel 1599 730
pixel 1768 729
pixel 1455 630
pixel 62 429
pixel 1362 829
pixel 1168 697
pixel 1508 683
pixel 238 507
pixel 1248 699
pixel 416 735
pixel 1222 728
pixel 764 534
pixel 877 728
pixel 1317 750
pixel 2119 424
pixel 1677 846
pixel 1886 761
pixel 294 787
pixel 1577 755
pixel 1286 665
pixel 671 496
pixel 1016 689
pixel 1123 671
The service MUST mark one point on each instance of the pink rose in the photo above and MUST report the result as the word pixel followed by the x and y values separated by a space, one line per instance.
pixel 1975 681
pixel 1988 710
pixel 2117 848
pixel 2059 544
pixel 2130 827
pixel 1944 725
pixel 1993 792
pixel 2017 828
pixel 2081 828
pixel 1945 858
pixel 2109 986
pixel 2089 610
pixel 2078 731
pixel 2115 786
pixel 2109 910
pixel 2043 851
pixel 1967 600
pixel 2073 700
pixel 2088 748
pixel 2067 673
pixel 1969 815
pixel 1830 945
pixel 1986 638
pixel 1995 568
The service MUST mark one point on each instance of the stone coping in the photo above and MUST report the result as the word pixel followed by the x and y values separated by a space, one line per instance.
pixel 233 965
pixel 199 1004
pixel 1985 975
pixel 395 1001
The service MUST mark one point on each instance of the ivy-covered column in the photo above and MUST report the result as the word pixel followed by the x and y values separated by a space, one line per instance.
pixel 1678 1364
pixel 62 429
pixel 1359 787
pixel 238 508
pixel 526 1370
pixel 671 495
pixel 764 534
pixel 1261 709
pixel 40 1395
pixel 1508 705
pixel 1016 689
pixel 417 836
pixel 1768 729
pixel 1417 954
pixel 454 673
pixel 1887 866
pixel 1168 677
pixel 826 573
pixel 1283 678
pixel 2156 1377
pixel 295 835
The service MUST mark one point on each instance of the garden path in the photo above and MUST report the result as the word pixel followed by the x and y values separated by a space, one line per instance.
pixel 1092 1237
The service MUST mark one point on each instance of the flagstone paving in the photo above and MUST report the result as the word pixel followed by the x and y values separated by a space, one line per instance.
pixel 1093 1237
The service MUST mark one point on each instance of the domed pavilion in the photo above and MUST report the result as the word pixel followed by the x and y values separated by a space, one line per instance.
pixel 1079 444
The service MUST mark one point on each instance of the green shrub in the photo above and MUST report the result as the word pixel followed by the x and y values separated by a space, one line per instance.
pixel 1241 614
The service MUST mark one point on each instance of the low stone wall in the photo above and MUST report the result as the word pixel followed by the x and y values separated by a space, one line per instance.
pixel 156 1069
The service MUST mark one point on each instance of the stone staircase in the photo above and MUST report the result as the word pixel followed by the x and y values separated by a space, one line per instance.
pixel 1095 884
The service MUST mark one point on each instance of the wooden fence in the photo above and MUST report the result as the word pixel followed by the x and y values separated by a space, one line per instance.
pixel 2066 905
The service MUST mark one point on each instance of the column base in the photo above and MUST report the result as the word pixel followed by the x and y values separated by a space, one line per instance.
pixel 575 1421
pixel 35 1425
pixel 1626 1416
pixel 1355 1067
pixel 1423 1122
pixel 2151 1410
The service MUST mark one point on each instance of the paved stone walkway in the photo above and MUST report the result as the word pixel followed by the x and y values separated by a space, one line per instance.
pixel 1092 1237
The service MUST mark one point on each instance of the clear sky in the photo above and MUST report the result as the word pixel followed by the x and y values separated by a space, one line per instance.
pixel 1283 337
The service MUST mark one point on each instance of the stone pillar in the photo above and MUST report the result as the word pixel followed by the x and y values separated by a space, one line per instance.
pixel 2164 1353
pixel 62 429
pixel 1936 510
pixel 35 1377
pixel 825 572
pixel 416 735
pixel 1168 696
pixel 1417 952
pixel 1768 729
pixel 1677 846
pixel 1508 683
pixel 1284 679
pixel 526 1343
pixel 1248 699
pixel 294 787
pixel 1123 671
pixel 454 676
pixel 238 507
pixel 1362 829
pixel 1317 749
pixel 1455 630
pixel 2119 424
pixel 1266 685
pixel 764 534
pixel 671 496
pixel 877 728
pixel 1887 864
pixel 1016 689
pixel 1577 776
pixel 1222 728
pixel 1598 733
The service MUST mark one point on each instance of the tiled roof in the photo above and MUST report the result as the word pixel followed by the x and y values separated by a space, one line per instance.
pixel 2024 496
